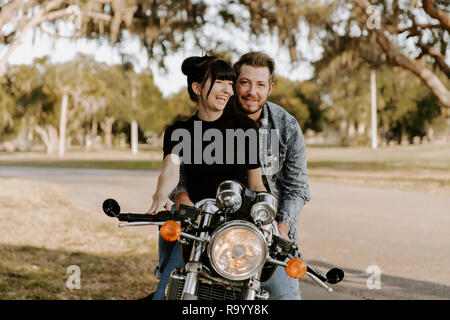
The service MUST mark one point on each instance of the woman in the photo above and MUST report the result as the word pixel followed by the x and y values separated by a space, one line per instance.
pixel 210 83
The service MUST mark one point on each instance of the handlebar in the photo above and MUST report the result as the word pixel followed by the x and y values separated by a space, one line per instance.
pixel 138 217
pixel 186 213
pixel 112 209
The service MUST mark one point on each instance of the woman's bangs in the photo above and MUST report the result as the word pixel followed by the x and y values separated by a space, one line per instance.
pixel 222 71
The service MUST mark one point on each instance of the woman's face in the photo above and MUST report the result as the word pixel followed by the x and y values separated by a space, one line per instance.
pixel 218 97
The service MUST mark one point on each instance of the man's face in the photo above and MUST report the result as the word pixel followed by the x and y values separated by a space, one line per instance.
pixel 253 88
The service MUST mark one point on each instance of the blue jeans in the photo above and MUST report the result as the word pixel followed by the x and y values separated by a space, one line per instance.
pixel 280 285
pixel 169 259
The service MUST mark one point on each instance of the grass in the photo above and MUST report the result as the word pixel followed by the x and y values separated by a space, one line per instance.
pixel 102 277
pixel 93 164
pixel 424 168
pixel 432 157
pixel 44 234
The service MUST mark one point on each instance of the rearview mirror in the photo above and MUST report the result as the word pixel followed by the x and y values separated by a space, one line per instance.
pixel 111 208
pixel 335 275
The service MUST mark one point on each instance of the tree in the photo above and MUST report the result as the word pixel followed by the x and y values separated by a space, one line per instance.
pixel 347 30
pixel 6 109
pixel 411 36
pixel 398 113
pixel 116 92
pixel 161 25
pixel 33 102
pixel 66 80
pixel 434 48
pixel 284 94
pixel 390 32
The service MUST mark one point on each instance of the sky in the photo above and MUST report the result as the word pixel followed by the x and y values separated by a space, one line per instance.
pixel 170 81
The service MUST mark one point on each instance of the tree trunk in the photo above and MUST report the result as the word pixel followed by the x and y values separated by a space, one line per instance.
pixel 134 137
pixel 94 132
pixel 373 109
pixel 106 126
pixel 50 138
pixel 63 125
pixel 91 134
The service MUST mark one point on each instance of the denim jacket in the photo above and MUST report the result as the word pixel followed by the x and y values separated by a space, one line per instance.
pixel 283 164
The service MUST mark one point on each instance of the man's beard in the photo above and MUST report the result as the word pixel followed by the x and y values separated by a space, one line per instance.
pixel 239 105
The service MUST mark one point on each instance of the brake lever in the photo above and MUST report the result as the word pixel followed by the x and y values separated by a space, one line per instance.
pixel 140 223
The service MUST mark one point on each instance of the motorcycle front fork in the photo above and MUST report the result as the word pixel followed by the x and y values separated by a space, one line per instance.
pixel 194 266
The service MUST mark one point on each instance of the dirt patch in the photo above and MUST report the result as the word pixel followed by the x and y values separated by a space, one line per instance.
pixel 43 234
pixel 421 180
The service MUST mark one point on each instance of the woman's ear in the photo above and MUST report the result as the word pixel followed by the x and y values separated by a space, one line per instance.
pixel 197 88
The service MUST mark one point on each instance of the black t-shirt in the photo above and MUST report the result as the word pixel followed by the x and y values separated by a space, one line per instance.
pixel 212 152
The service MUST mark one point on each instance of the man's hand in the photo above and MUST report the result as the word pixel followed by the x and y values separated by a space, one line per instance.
pixel 182 198
pixel 283 229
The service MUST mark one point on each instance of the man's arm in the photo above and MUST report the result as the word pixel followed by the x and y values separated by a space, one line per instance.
pixel 293 182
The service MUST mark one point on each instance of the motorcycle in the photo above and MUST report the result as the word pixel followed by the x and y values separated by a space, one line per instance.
pixel 231 245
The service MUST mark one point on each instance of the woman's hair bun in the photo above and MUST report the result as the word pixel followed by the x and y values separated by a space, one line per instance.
pixel 189 65
pixel 192 65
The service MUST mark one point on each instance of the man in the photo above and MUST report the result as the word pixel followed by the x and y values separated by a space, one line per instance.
pixel 282 155
pixel 255 73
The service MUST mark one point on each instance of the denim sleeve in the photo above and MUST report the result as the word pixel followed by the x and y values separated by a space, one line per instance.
pixel 293 186
pixel 181 187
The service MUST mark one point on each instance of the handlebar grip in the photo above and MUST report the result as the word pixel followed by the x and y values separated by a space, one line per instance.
pixel 134 217
pixel 185 213
pixel 316 272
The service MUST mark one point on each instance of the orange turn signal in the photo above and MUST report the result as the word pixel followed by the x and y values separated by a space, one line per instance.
pixel 170 231
pixel 296 268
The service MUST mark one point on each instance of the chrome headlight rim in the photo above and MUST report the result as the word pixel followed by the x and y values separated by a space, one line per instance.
pixel 244 225
pixel 233 190
pixel 267 202
pixel 208 205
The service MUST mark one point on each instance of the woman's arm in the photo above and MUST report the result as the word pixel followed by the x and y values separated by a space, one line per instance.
pixel 255 181
pixel 167 181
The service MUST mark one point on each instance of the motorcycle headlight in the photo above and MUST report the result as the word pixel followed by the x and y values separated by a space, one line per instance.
pixel 237 250
pixel 264 210
pixel 229 196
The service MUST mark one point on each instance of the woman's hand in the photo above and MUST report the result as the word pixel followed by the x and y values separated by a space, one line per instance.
pixel 160 201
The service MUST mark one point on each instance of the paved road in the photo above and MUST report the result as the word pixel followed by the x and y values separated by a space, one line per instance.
pixel 402 237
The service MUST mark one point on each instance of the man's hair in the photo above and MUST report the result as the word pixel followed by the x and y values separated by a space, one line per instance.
pixel 256 59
